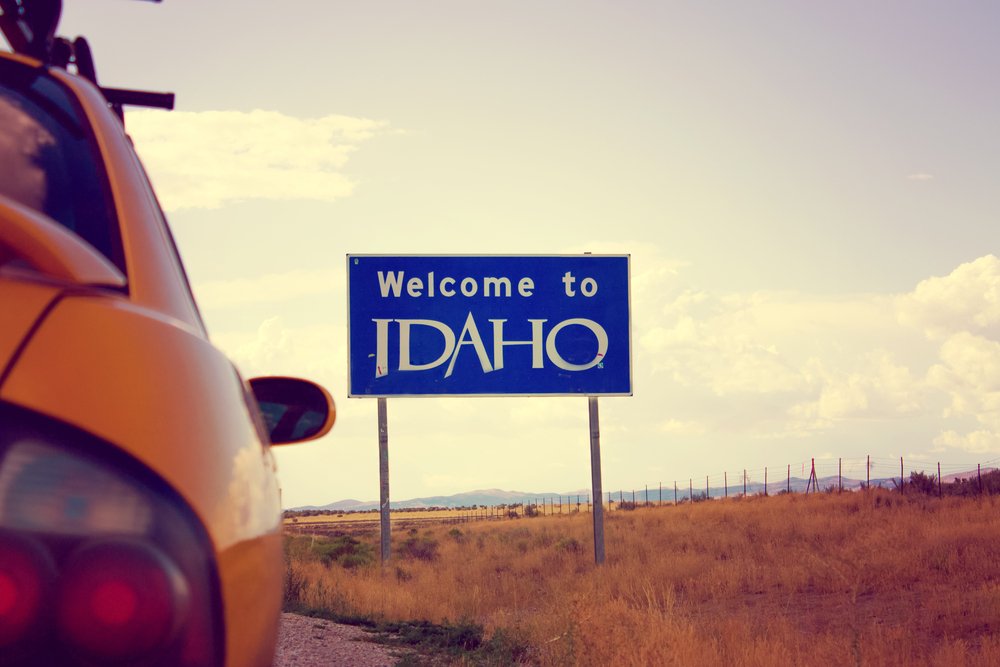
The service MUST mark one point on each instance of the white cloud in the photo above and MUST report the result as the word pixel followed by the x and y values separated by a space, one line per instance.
pixel 962 311
pixel 315 352
pixel 967 299
pixel 969 374
pixel 920 176
pixel 207 159
pixel 272 287
pixel 758 343
pixel 879 389
pixel 785 364
pixel 971 362
pixel 976 442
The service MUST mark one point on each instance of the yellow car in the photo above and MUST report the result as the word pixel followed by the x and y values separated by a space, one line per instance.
pixel 140 518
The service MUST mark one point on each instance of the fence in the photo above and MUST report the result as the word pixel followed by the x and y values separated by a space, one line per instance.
pixel 813 476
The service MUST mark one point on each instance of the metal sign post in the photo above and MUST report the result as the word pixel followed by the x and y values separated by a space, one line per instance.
pixel 383 475
pixel 595 474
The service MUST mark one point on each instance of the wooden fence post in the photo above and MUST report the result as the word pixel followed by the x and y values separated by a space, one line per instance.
pixel 939 479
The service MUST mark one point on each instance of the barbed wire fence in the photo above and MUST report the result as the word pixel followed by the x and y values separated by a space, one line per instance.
pixel 807 476
pixel 826 475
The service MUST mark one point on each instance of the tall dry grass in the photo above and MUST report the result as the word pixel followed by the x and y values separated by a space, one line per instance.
pixel 861 578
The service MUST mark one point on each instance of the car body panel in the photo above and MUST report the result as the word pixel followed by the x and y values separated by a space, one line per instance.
pixel 199 402
pixel 23 303
pixel 134 354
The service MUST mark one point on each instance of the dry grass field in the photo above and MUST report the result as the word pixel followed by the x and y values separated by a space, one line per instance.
pixel 871 578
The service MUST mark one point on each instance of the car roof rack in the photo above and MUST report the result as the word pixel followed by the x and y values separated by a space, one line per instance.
pixel 30 29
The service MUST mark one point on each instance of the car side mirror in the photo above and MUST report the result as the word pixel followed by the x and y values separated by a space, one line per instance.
pixel 294 410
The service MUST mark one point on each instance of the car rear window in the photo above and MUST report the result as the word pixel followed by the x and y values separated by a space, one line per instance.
pixel 48 163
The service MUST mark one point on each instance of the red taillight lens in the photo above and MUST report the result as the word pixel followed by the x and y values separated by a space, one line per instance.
pixel 120 600
pixel 27 574
pixel 101 561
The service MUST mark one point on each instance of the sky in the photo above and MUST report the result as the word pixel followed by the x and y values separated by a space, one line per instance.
pixel 807 191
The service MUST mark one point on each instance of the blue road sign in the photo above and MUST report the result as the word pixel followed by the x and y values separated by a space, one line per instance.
pixel 494 325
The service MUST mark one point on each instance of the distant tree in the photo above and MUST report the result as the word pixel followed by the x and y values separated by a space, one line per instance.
pixel 921 482
pixel 970 486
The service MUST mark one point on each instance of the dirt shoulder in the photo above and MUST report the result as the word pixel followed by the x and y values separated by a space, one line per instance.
pixel 315 642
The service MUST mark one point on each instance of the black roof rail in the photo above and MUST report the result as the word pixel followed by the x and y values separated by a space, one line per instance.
pixel 30 25
pixel 30 29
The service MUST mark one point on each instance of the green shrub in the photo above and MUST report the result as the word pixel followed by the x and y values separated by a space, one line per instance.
pixel 345 551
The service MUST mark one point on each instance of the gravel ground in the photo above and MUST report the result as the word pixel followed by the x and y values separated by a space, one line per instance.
pixel 315 642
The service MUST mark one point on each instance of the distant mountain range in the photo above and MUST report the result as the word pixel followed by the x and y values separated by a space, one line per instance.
pixel 492 497
pixel 486 497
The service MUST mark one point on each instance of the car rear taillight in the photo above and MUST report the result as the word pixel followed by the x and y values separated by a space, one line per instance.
pixel 120 600
pixel 27 574
pixel 101 562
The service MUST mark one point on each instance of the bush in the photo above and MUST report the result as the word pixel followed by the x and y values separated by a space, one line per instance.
pixel 345 551
pixel 570 545
pixel 921 482
pixel 970 485
pixel 421 548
